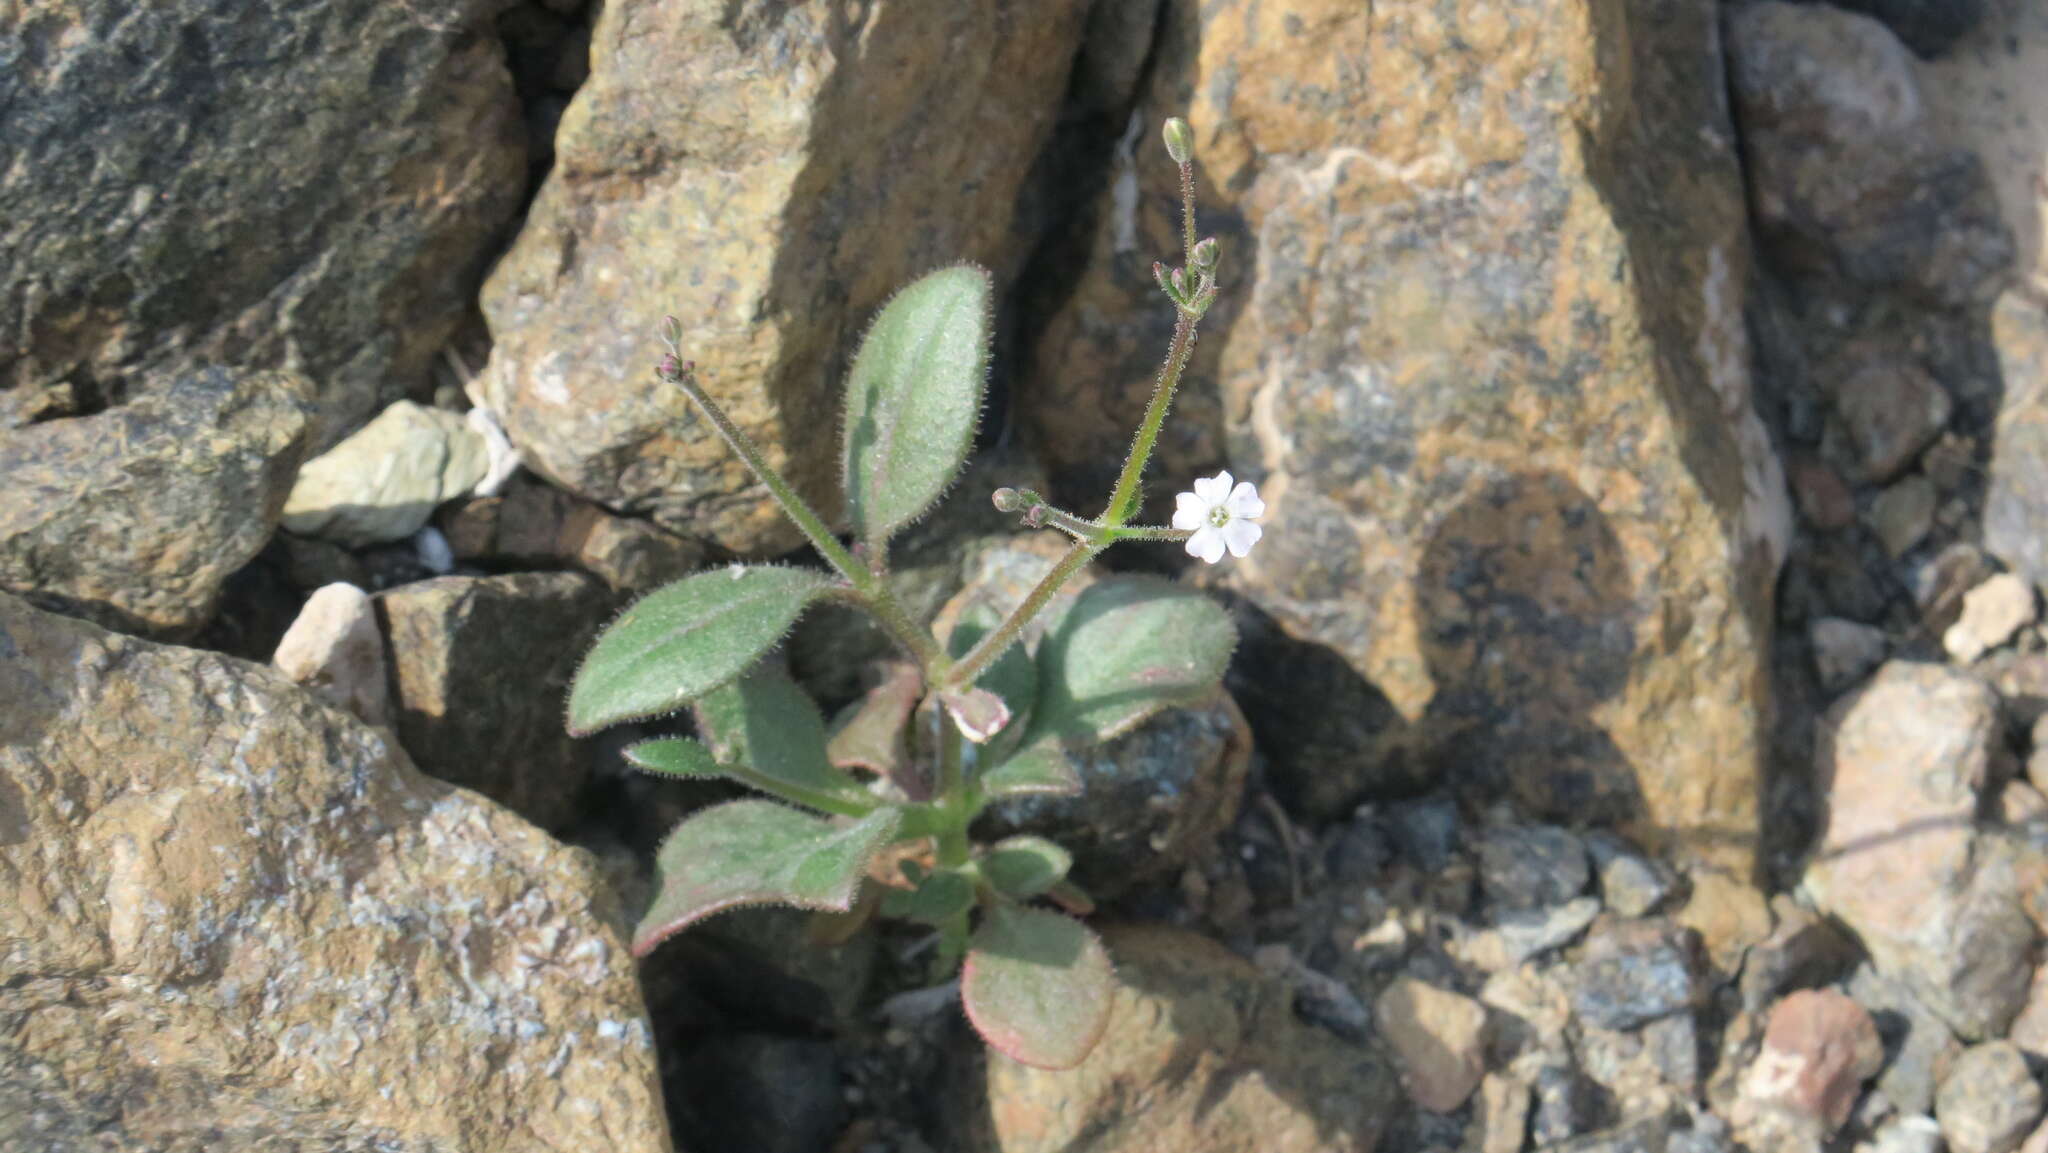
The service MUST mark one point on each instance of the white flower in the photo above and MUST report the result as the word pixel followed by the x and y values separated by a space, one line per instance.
pixel 1220 517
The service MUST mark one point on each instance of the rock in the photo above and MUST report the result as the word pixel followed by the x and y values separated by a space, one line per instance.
pixel 135 517
pixel 1501 1123
pixel 1824 499
pixel 1804 951
pixel 335 649
pixel 2029 1030
pixel 1989 1102
pixel 532 525
pixel 480 667
pixel 2037 1141
pixel 1631 884
pixel 314 564
pixel 1992 613
pixel 1892 409
pixel 770 179
pixel 248 206
pixel 1928 27
pixel 237 918
pixel 1940 582
pixel 1631 973
pixel 1438 1038
pixel 759 1092
pixel 1426 831
pixel 1818 1049
pixel 1899 765
pixel 1903 514
pixel 1189 1020
pixel 1918 1044
pixel 1917 1133
pixel 2015 521
pixel 1562 1108
pixel 1846 175
pixel 1528 867
pixel 1428 460
pixel 1521 935
pixel 1844 651
pixel 1358 851
pixel 1982 96
pixel 384 481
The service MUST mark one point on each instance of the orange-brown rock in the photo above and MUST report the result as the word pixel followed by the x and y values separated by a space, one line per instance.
pixel 1481 343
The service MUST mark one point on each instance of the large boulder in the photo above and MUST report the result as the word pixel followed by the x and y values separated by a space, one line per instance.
pixel 768 176
pixel 310 185
pixel 1481 344
pixel 1901 765
pixel 233 917
pixel 135 517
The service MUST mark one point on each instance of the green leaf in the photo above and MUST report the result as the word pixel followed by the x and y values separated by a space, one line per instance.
pixel 758 853
pixel 1126 648
pixel 676 757
pixel 1024 867
pixel 680 757
pixel 1039 769
pixel 913 398
pixel 681 641
pixel 1037 986
pixel 765 722
pixel 938 899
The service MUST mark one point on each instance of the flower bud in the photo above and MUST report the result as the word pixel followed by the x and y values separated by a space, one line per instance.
pixel 669 367
pixel 1204 257
pixel 1008 500
pixel 671 332
pixel 1180 140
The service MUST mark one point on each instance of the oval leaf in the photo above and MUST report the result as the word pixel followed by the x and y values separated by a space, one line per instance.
pixel 1128 647
pixel 1013 679
pixel 913 398
pixel 675 757
pixel 758 853
pixel 765 722
pixel 681 641
pixel 1041 769
pixel 1037 986
pixel 936 900
pixel 1024 867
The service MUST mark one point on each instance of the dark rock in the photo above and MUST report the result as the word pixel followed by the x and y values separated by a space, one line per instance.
pixel 1631 884
pixel 1426 831
pixel 135 517
pixel 480 670
pixel 1358 851
pixel 758 1092
pixel 1564 1106
pixel 1928 27
pixel 1631 973
pixel 1917 1043
pixel 1892 409
pixel 2015 517
pixel 1528 867
pixel 1845 174
pixel 531 525
pixel 1804 951
pixel 248 205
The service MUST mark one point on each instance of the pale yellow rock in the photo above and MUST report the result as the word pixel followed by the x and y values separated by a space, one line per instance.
pixel 335 648
pixel 1992 613
pixel 384 481
pixel 232 917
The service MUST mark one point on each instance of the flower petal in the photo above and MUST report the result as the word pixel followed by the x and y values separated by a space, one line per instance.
pixel 1244 501
pixel 1213 490
pixel 1189 511
pixel 1241 535
pixel 1207 544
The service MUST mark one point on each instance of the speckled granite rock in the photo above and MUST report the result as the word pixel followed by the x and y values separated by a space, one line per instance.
pixel 769 175
pixel 313 186
pixel 1481 343
pixel 135 516
pixel 232 917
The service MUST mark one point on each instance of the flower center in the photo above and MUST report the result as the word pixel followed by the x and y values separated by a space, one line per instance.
pixel 1219 516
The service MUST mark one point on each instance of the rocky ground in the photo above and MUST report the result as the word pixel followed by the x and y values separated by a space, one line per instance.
pixel 1639 739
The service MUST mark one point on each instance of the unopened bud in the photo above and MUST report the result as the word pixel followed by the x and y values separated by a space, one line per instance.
pixel 1008 500
pixel 1180 140
pixel 1179 280
pixel 669 367
pixel 1203 259
pixel 671 332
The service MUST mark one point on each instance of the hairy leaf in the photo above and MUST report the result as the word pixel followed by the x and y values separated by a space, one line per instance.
pixel 1126 648
pixel 681 641
pixel 758 853
pixel 873 737
pixel 1039 769
pixel 937 899
pixel 681 757
pixel 1024 867
pixel 978 713
pixel 1013 678
pixel 913 398
pixel 676 757
pixel 765 722
pixel 1037 986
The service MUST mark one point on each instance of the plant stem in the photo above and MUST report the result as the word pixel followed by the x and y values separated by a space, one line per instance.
pixel 1149 532
pixel 845 806
pixel 953 849
pixel 1124 498
pixel 870 589
pixel 978 659
pixel 1187 211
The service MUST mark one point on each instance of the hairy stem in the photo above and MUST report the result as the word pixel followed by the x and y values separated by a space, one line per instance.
pixel 1149 532
pixel 978 659
pixel 870 590
pixel 953 848
pixel 1123 499
pixel 835 803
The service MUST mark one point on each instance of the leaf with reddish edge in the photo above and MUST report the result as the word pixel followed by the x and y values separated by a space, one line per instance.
pixel 1128 647
pixel 1041 770
pixel 1037 986
pixel 1024 867
pixel 764 721
pixel 758 853
pixel 980 714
